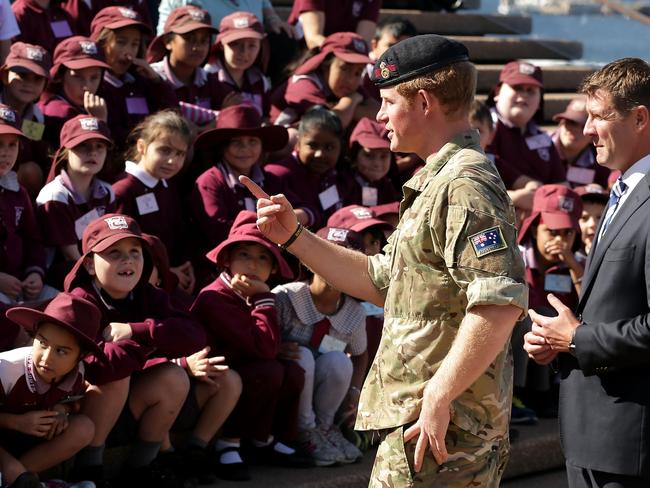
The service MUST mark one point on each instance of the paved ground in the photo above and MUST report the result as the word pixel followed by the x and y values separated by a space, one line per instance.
pixel 552 479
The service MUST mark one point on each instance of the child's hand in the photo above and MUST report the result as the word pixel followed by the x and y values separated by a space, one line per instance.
pixel 185 275
pixel 558 248
pixel 32 286
pixel 289 350
pixel 10 285
pixel 233 98
pixel 37 423
pixel 61 421
pixel 248 286
pixel 204 368
pixel 144 69
pixel 117 331
pixel 95 106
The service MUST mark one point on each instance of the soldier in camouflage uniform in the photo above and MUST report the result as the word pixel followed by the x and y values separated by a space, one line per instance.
pixel 451 281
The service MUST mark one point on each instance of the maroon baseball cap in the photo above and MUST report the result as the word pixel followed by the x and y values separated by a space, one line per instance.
pixel 30 57
pixel 356 218
pixel 244 229
pixel 243 120
pixel 386 209
pixel 342 237
pixel 82 128
pixel 370 134
pixel 116 18
pixel 181 21
pixel 592 192
pixel 9 121
pixel 575 111
pixel 75 314
pixel 347 46
pixel 77 52
pixel 521 73
pixel 558 207
pixel 239 25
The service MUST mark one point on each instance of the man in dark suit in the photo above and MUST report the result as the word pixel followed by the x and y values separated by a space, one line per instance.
pixel 605 345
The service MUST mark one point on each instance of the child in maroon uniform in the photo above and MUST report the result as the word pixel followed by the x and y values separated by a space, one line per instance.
pixel 39 386
pixel 332 77
pixel 132 89
pixel 24 75
pixel 238 60
pixel 75 78
pixel 239 314
pixel 311 172
pixel 75 195
pixel 594 202
pixel 42 22
pixel 177 56
pixel 137 319
pixel 371 159
pixel 146 191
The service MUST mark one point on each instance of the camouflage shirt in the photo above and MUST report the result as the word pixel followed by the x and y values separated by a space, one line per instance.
pixel 454 248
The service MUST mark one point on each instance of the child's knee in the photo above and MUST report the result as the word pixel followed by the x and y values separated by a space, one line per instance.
pixel 231 383
pixel 306 360
pixel 338 365
pixel 82 430
pixel 173 383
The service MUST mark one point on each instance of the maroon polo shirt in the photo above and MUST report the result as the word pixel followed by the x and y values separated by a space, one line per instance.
pixel 531 153
pixel 295 96
pixel 340 16
pixel 130 99
pixel 584 170
pixel 156 205
pixel 21 248
pixel 42 27
pixel 362 192
pixel 56 111
pixel 255 88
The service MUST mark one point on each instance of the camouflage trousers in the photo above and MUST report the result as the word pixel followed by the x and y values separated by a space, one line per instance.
pixel 472 462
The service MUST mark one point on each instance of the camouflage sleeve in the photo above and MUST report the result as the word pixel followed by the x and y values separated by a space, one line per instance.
pixel 379 267
pixel 480 245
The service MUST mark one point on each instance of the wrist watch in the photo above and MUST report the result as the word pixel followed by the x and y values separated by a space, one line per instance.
pixel 572 344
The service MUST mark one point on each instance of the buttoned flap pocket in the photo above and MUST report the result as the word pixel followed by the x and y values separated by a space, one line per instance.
pixel 619 254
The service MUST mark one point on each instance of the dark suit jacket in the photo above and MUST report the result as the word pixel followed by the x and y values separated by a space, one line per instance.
pixel 605 392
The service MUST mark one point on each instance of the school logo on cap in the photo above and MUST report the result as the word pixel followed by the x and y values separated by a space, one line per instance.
pixel 361 213
pixel 240 22
pixel 35 53
pixel 128 13
pixel 526 69
pixel 88 47
pixel 196 14
pixel 8 115
pixel 90 123
pixel 359 46
pixel 565 204
pixel 116 223
pixel 337 235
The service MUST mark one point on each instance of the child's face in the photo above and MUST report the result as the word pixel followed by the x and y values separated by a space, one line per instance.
pixel 122 48
pixel 319 150
pixel 371 244
pixel 387 39
pixel 518 104
pixel 373 164
pixel 591 214
pixel 190 49
pixel 9 145
pixel 78 81
pixel 571 135
pixel 164 157
pixel 552 242
pixel 118 269
pixel 242 53
pixel 55 352
pixel 485 130
pixel 343 78
pixel 88 157
pixel 242 153
pixel 24 86
pixel 251 260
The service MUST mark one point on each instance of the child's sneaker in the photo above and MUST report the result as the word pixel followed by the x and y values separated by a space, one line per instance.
pixel 65 484
pixel 521 414
pixel 322 452
pixel 26 480
pixel 335 437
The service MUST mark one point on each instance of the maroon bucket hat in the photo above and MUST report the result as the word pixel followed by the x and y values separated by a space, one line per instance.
pixel 9 121
pixel 370 134
pixel 356 218
pixel 75 314
pixel 521 73
pixel 243 120
pixel 77 52
pixel 30 57
pixel 117 18
pixel 347 46
pixel 244 229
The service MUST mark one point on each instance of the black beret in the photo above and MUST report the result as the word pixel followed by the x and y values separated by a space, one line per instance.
pixel 415 56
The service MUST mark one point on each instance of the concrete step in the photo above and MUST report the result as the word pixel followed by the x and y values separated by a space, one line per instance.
pixel 398 4
pixel 556 77
pixel 504 49
pixel 554 103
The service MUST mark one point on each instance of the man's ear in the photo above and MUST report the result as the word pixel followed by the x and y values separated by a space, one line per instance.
pixel 428 102
pixel 89 264
pixel 642 118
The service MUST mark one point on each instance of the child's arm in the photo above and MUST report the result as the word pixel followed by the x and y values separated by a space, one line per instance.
pixel 36 423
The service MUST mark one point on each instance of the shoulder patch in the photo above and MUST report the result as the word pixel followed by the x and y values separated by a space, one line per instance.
pixel 487 241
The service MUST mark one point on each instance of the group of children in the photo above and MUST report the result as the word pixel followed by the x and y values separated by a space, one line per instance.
pixel 144 307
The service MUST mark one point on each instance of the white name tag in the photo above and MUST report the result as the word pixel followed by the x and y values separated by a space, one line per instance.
pixel 147 204
pixel 584 176
pixel 249 203
pixel 369 196
pixel 82 222
pixel 329 197
pixel 330 344
pixel 539 141
pixel 558 283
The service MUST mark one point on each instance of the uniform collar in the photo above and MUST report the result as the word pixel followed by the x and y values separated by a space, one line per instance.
pixel 97 190
pixel 116 81
pixel 10 181
pixel 200 76
pixel 231 178
pixel 38 386
pixel 145 178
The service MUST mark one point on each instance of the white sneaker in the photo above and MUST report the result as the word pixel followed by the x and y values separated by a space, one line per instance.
pixel 314 444
pixel 350 452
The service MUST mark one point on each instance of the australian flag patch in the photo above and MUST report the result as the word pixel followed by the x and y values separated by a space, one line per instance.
pixel 487 241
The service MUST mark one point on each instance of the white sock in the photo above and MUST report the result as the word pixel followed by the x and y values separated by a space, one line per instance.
pixel 283 449
pixel 230 457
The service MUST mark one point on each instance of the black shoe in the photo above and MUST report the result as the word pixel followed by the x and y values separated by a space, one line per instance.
pixel 196 464
pixel 26 480
pixel 269 455
pixel 233 471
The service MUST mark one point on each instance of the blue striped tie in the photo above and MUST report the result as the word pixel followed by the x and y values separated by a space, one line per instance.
pixel 614 197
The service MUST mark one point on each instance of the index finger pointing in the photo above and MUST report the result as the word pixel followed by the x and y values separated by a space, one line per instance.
pixel 253 187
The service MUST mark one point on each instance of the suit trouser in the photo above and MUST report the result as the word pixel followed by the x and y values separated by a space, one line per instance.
pixel 589 478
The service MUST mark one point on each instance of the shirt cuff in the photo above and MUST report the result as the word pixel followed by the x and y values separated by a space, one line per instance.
pixel 379 271
pixel 498 290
